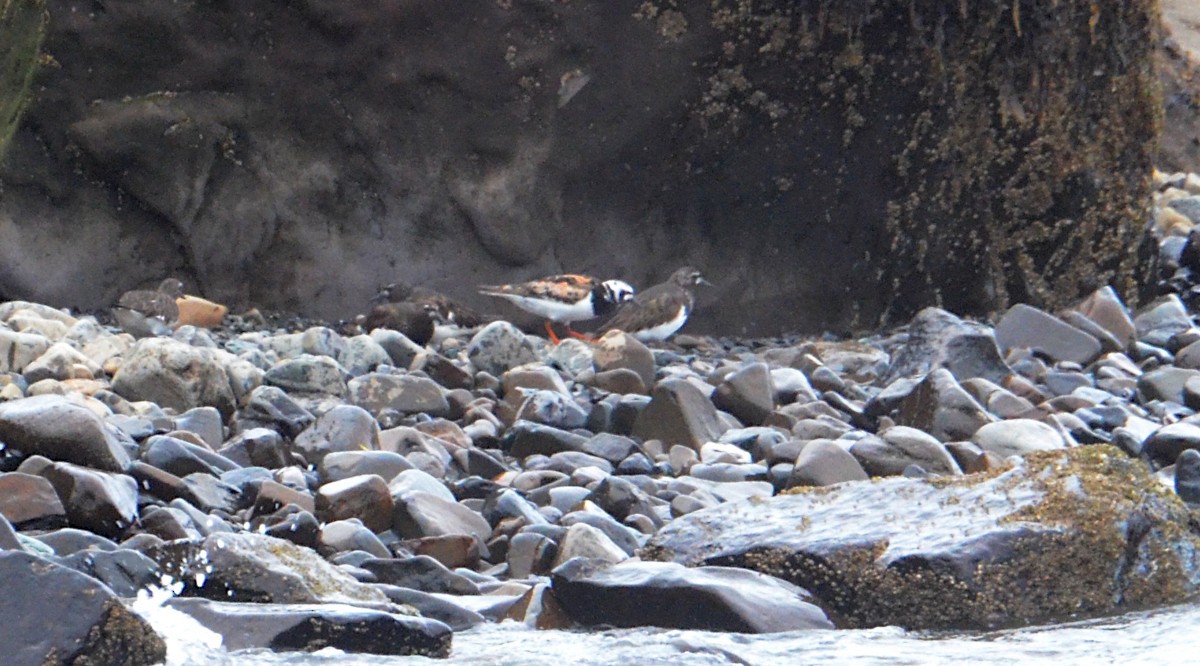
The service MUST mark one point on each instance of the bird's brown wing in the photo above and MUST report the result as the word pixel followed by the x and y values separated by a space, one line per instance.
pixel 150 303
pixel 646 310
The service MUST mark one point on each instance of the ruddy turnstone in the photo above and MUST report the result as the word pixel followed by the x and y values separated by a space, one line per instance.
pixel 449 311
pixel 564 298
pixel 145 312
pixel 656 313
pixel 416 321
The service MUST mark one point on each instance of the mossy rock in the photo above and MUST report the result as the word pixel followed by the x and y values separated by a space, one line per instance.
pixel 22 29
pixel 1062 535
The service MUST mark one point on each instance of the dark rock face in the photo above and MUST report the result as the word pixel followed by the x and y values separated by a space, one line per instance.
pixel 256 155
pixel 22 28
pixel 1072 540
pixel 286 627
pixel 90 624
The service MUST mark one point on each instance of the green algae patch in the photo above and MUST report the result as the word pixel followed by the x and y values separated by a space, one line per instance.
pixel 1059 535
pixel 22 29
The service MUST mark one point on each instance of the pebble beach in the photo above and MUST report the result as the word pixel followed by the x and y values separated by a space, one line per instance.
pixel 293 485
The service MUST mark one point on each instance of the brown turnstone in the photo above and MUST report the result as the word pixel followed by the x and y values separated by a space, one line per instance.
pixel 145 312
pixel 416 321
pixel 658 312
pixel 449 312
pixel 564 298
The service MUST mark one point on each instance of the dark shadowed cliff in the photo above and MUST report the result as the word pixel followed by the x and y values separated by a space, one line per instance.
pixel 828 164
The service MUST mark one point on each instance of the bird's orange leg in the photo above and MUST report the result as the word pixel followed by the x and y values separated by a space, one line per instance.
pixel 580 336
pixel 553 338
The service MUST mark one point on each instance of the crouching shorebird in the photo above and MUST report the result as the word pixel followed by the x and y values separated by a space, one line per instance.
pixel 658 312
pixel 424 315
pixel 145 313
pixel 564 298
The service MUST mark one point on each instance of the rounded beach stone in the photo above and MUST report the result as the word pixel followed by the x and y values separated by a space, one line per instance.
pixel 748 393
pixel 176 375
pixel 823 462
pixel 408 394
pixel 1165 444
pixel 617 350
pixel 365 497
pixel 343 428
pixel 309 374
pixel 60 429
pixel 499 347
pixel 1187 476
pixel 1017 437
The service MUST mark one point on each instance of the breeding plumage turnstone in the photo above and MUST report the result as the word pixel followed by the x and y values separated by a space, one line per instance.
pixel 656 313
pixel 564 298
pixel 145 312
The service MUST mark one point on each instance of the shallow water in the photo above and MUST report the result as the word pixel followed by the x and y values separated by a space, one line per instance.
pixel 1150 637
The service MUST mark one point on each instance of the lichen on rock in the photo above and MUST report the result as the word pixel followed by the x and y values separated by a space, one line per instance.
pixel 1060 535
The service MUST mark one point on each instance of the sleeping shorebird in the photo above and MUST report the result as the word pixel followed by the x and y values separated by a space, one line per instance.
pixel 564 299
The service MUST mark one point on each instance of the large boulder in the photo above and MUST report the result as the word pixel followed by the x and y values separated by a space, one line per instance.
pixel 174 374
pixel 59 429
pixel 1067 533
pixel 1007 162
pixel 54 615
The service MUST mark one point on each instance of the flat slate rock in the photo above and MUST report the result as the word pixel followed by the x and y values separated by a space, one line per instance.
pixel 1061 534
pixel 1028 327
pixel 54 615
pixel 666 594
pixel 311 627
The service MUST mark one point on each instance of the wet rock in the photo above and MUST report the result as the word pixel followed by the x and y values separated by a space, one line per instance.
pixel 176 375
pixel 290 627
pixel 960 553
pixel 419 514
pixel 529 554
pixel 1024 326
pixel 407 394
pixel 182 458
pixel 748 393
pixel 572 356
pixel 678 413
pixel 96 501
pixel 308 374
pixel 620 499
pixel 1106 309
pixel 209 494
pixel 343 428
pixel 300 528
pixel 617 350
pixel 1166 443
pixel 823 462
pixel 665 594
pixel 900 446
pixel 419 481
pixel 939 406
pixel 420 573
pixel 30 502
pixel 269 406
pixel 1017 437
pixel 345 464
pixel 1161 319
pixel 125 572
pixel 1165 383
pixel 583 540
pixel 525 438
pixel 365 497
pixel 533 377
pixel 939 339
pixel 348 535
pixel 1187 476
pixel 260 569
pixel 499 347
pixel 87 623
pixel 259 447
pixel 433 607
pixel 59 429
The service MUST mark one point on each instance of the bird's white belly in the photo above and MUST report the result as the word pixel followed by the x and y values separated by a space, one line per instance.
pixel 665 330
pixel 554 310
